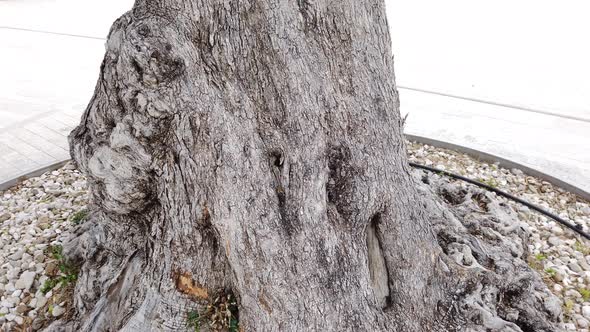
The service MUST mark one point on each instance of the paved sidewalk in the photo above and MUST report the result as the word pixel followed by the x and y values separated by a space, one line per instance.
pixel 48 78
pixel 47 75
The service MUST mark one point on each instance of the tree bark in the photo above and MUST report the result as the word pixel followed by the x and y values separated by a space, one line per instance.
pixel 255 148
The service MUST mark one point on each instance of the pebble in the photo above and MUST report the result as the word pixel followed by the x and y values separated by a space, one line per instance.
pixel 26 280
pixel 555 241
pixel 40 302
pixel 19 320
pixel 22 309
pixel 17 255
pixel 58 311
pixel 9 287
pixel 575 267
pixel 553 306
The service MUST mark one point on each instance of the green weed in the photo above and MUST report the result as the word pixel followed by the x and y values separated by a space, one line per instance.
pixel 79 216
pixel 220 314
pixel 578 246
pixel 540 257
pixel 568 308
pixel 68 273
pixel 194 321
pixel 585 294
pixel 490 182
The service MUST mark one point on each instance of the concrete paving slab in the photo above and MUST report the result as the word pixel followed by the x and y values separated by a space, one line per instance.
pixel 41 144
pixel 37 156
pixel 14 158
pixel 45 81
pixel 7 172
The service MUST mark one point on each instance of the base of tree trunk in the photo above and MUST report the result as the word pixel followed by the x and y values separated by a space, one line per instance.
pixel 492 286
pixel 247 166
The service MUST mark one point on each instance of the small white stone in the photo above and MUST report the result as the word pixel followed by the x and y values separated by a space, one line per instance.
pixel 573 293
pixel 554 241
pixel 26 257
pixel 575 267
pixel 58 311
pixel 13 300
pixel 557 230
pixel 9 287
pixel 32 314
pixel 41 301
pixel 39 257
pixel 4 217
pixel 7 304
pixel 559 276
pixel 26 280
pixel 552 305
pixel 19 320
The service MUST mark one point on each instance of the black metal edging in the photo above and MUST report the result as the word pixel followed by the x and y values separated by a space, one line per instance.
pixel 506 195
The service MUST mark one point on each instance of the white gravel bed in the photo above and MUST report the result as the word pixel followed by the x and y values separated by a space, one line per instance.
pixel 558 253
pixel 36 215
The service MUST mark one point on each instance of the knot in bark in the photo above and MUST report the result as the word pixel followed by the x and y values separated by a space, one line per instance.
pixel 121 171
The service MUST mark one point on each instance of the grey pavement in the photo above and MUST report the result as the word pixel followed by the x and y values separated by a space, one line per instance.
pixel 476 91
pixel 51 54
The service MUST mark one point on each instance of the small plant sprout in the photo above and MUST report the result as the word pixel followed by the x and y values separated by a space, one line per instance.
pixel 79 217
pixel 67 275
pixel 194 320
pixel 49 285
pixel 540 257
pixel 585 294
pixel 579 246
pixel 490 182
pixel 568 307
pixel 220 314
pixel 551 272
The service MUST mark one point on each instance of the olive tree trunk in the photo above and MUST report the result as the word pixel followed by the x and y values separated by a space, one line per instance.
pixel 255 148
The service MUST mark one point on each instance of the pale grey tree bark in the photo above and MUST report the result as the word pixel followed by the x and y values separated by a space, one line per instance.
pixel 255 147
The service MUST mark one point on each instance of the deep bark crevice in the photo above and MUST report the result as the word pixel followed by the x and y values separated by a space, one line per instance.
pixel 377 267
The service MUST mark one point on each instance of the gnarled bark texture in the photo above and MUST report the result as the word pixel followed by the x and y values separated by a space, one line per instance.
pixel 255 147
